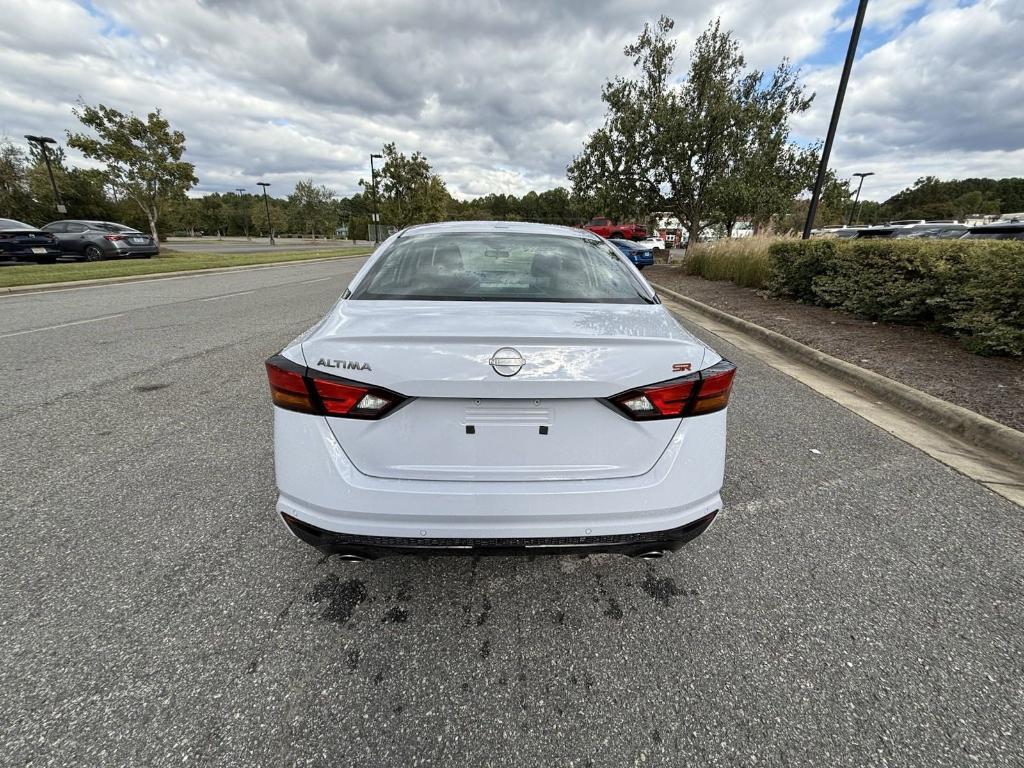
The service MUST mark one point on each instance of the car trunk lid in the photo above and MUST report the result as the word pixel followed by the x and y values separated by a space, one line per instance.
pixel 467 421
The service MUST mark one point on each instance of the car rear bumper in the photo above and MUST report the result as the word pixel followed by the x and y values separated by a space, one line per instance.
pixel 129 251
pixel 320 487
pixel 26 254
pixel 373 547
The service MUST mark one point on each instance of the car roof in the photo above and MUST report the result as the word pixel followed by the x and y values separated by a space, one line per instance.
pixel 518 227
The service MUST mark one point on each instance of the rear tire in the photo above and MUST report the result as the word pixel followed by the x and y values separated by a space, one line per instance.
pixel 93 253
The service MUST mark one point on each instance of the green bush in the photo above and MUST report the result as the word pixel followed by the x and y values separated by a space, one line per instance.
pixel 971 288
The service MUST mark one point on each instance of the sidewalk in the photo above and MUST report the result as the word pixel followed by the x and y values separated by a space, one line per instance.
pixel 929 362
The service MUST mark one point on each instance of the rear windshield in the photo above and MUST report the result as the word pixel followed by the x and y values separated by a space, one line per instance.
pixel 12 224
pixel 106 226
pixel 502 267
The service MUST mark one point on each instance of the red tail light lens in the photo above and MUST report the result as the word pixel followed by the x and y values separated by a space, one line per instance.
pixel 699 393
pixel 113 237
pixel 295 387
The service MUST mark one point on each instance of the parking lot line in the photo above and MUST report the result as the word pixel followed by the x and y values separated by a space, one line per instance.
pixel 226 295
pixel 61 325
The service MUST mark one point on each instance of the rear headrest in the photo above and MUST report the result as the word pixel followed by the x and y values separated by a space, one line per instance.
pixel 449 257
pixel 546 265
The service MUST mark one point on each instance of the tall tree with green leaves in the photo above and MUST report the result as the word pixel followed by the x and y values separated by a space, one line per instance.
pixel 408 190
pixel 711 149
pixel 311 208
pixel 15 192
pixel 142 158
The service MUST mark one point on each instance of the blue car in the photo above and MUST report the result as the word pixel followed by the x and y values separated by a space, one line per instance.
pixel 641 255
pixel 23 242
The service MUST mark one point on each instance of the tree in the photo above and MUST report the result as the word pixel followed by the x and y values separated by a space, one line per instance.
pixel 311 208
pixel 408 191
pixel 15 194
pixel 715 147
pixel 142 157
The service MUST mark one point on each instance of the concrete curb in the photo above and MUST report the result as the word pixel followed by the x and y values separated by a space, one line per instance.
pixel 967 424
pixel 43 287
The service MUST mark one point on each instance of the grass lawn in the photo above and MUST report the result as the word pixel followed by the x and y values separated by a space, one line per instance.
pixel 32 274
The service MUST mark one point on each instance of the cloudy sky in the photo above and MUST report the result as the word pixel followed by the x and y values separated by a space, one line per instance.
pixel 498 94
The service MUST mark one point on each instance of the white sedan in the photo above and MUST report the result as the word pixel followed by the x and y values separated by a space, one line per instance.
pixel 498 387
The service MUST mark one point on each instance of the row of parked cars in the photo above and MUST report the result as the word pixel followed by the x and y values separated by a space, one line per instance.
pixel 76 239
pixel 937 230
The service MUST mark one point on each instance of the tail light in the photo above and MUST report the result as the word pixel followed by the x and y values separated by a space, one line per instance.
pixel 113 237
pixel 295 387
pixel 697 394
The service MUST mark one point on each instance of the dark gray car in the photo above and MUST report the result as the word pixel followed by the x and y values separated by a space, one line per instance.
pixel 95 240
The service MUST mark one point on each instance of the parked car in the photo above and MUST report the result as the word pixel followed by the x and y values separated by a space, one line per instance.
pixel 489 387
pixel 872 232
pixel 609 229
pixel 641 255
pixel 95 240
pixel 23 242
pixel 653 242
pixel 997 231
pixel 933 231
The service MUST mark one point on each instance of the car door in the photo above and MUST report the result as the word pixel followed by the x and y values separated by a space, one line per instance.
pixel 74 240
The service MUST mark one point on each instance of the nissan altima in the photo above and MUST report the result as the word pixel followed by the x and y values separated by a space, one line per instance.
pixel 498 387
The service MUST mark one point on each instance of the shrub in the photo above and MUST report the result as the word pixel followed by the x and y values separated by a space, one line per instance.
pixel 793 265
pixel 971 288
pixel 744 261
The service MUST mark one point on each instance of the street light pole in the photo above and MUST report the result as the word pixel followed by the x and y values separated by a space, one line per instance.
pixel 41 142
pixel 819 182
pixel 266 203
pixel 376 210
pixel 856 200
pixel 245 212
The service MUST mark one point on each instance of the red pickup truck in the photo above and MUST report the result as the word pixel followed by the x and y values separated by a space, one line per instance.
pixel 606 228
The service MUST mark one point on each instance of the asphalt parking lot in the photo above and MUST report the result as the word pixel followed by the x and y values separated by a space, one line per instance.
pixel 856 604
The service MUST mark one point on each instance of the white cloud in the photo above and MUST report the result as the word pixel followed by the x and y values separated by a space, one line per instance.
pixel 943 98
pixel 499 96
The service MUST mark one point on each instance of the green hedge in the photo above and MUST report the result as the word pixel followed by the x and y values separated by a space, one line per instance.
pixel 971 288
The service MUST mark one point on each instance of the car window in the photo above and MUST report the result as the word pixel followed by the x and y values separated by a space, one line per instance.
pixel 75 227
pixel 13 224
pixel 501 267
pixel 996 235
pixel 56 226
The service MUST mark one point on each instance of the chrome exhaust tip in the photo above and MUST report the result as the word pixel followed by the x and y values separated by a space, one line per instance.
pixel 348 557
pixel 653 554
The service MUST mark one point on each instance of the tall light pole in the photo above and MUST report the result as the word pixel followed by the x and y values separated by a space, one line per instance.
pixel 266 203
pixel 245 212
pixel 376 211
pixel 851 52
pixel 856 200
pixel 41 142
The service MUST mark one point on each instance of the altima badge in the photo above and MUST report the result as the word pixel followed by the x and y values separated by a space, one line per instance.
pixel 350 365
pixel 507 361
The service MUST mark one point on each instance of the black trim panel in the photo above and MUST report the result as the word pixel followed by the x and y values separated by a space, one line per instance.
pixel 372 547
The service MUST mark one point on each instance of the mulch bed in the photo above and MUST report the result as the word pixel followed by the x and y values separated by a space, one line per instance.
pixel 930 362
